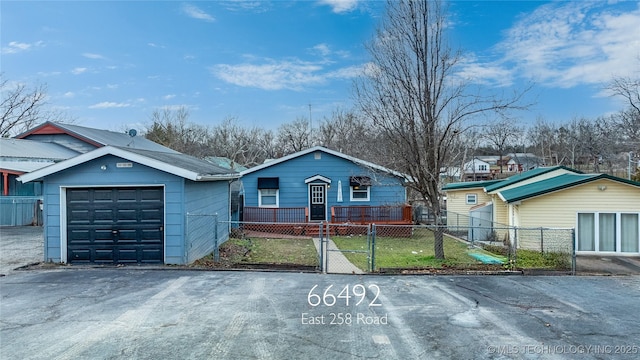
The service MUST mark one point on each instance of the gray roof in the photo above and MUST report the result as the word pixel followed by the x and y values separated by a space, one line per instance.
pixel 29 149
pixel 23 166
pixel 103 137
pixel 177 164
pixel 187 162
pixel 225 162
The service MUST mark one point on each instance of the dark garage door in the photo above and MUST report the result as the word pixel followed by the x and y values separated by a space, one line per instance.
pixel 115 225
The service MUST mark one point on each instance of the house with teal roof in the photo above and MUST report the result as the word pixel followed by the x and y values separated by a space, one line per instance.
pixel 603 209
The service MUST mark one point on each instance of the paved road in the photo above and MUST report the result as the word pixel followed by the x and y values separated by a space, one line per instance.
pixel 110 313
pixel 19 246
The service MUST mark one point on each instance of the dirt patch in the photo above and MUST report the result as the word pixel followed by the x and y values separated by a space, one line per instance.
pixel 483 269
pixel 231 256
pixel 42 265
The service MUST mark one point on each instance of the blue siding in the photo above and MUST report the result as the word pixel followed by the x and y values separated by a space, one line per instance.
pixel 89 174
pixel 207 204
pixel 386 189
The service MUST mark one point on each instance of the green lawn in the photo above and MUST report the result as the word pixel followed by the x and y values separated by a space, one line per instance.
pixel 270 251
pixel 529 259
pixel 406 252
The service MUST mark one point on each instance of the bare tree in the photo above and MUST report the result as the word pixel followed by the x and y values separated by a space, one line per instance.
pixel 413 97
pixel 295 136
pixel 22 108
pixel 628 120
pixel 569 144
pixel 171 127
pixel 244 146
pixel 501 135
pixel 543 138
pixel 347 132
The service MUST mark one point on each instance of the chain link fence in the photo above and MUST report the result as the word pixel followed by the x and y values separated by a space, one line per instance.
pixel 356 249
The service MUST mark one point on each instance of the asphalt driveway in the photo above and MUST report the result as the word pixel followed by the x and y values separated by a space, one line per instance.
pixel 20 246
pixel 108 313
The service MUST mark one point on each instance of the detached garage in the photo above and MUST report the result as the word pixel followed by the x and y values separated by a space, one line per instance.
pixel 117 205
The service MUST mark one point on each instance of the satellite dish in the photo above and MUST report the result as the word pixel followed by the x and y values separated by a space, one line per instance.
pixel 133 132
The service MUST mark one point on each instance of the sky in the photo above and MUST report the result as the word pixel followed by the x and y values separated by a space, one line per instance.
pixel 111 64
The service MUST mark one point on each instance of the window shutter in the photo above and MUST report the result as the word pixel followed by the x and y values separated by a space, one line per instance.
pixel 268 183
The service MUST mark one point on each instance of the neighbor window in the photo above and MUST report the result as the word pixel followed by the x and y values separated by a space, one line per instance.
pixel 268 192
pixel 482 167
pixel 360 188
pixel 472 199
pixel 611 232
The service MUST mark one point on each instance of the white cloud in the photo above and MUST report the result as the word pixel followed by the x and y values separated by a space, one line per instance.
pixel 340 6
pixel 571 43
pixel 492 74
pixel 244 5
pixel 322 49
pixel 291 75
pixel 169 96
pixel 16 47
pixel 108 105
pixel 93 56
pixel 348 72
pixel 197 13
pixel 78 70
pixel 69 94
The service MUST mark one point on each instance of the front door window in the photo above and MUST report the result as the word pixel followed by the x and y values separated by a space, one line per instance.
pixel 318 202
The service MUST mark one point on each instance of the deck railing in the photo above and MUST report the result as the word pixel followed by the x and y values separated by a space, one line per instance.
pixel 275 215
pixel 372 214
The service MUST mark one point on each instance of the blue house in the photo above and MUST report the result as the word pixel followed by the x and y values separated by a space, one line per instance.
pixel 41 146
pixel 319 184
pixel 123 204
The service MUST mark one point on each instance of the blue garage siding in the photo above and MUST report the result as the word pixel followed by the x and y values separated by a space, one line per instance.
pixel 89 174
pixel 207 209
pixel 385 190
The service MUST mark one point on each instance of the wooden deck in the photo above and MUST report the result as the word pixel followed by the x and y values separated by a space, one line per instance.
pixel 345 220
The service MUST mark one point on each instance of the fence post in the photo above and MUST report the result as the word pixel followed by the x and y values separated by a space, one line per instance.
pixel 373 247
pixel 323 267
pixel 573 251
pixel 541 240
pixel 514 250
pixel 216 246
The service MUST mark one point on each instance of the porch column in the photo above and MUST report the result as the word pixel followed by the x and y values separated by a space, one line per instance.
pixel 5 183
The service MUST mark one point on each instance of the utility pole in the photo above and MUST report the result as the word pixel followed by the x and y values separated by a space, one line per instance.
pixel 310 126
pixel 629 171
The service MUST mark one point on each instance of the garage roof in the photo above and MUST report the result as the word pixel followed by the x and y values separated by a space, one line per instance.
pixel 177 164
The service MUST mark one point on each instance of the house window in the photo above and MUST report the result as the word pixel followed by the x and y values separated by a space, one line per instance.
pixel 268 197
pixel 360 193
pixel 472 199
pixel 360 188
pixel 268 192
pixel 610 232
pixel 482 167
